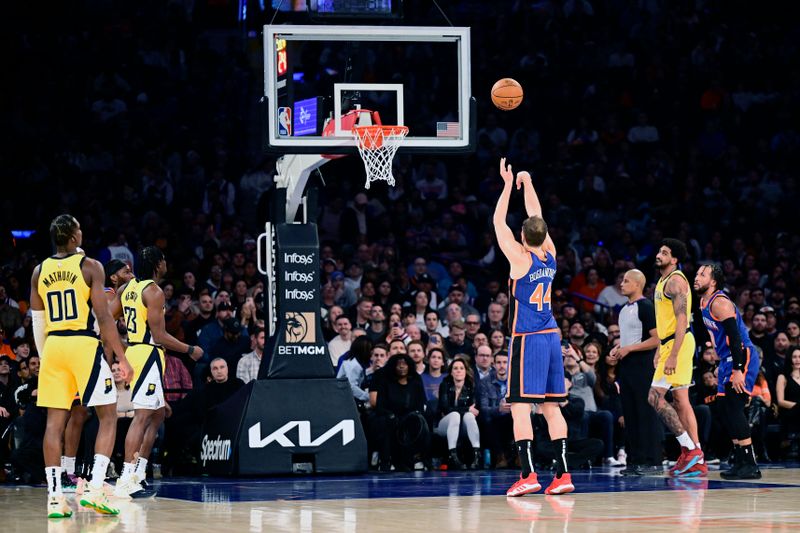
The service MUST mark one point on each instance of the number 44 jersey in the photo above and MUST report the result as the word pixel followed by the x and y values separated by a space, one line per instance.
pixel 530 305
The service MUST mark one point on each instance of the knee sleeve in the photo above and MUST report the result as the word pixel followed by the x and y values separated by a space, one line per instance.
pixel 734 413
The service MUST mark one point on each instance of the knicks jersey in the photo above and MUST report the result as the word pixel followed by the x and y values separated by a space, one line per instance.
pixel 717 331
pixel 530 310
pixel 66 295
pixel 665 314
pixel 135 312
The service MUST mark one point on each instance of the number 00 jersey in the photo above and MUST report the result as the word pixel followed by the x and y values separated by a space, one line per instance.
pixel 530 310
pixel 135 312
pixel 66 295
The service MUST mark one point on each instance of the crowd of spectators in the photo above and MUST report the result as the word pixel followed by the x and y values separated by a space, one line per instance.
pixel 640 120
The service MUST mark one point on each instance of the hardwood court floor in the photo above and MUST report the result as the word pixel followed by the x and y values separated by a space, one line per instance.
pixel 434 502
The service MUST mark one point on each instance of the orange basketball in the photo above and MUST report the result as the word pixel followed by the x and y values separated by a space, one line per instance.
pixel 506 94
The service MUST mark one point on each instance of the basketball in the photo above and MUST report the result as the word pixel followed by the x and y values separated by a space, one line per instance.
pixel 506 94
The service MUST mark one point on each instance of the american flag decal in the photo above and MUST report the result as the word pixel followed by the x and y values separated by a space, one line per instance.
pixel 448 129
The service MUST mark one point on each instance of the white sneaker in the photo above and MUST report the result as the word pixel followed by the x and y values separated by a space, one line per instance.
pixel 126 489
pixel 622 457
pixel 610 461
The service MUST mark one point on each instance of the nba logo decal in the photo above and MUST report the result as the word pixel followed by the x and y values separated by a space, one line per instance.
pixel 285 121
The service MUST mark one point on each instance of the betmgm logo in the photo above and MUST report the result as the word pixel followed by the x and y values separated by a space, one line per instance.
pixel 300 333
pixel 215 449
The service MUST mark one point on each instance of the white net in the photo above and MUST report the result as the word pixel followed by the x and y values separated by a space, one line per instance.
pixel 377 146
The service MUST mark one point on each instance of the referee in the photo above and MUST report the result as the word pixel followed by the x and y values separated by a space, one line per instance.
pixel 637 348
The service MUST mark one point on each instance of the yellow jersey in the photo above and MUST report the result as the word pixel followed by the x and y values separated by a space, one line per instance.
pixel 135 312
pixel 665 314
pixel 65 294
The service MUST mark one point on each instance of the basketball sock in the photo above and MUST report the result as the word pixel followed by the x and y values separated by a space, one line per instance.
pixel 560 448
pixel 68 465
pixel 99 469
pixel 53 476
pixel 141 469
pixel 748 455
pixel 686 441
pixel 525 458
pixel 127 472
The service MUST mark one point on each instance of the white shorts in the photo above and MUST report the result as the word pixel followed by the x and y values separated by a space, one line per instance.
pixel 148 369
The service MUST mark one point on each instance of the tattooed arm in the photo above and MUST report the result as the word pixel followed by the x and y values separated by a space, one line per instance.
pixel 677 289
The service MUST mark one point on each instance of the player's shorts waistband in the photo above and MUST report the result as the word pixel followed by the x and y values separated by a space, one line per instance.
pixel 668 338
pixel 541 332
pixel 73 333
pixel 146 344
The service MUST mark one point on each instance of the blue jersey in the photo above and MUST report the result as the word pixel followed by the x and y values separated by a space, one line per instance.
pixel 530 309
pixel 717 331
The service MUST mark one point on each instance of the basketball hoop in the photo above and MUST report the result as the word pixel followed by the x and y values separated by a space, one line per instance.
pixel 377 146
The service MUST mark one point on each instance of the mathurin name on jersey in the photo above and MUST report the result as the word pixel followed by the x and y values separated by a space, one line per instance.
pixel 60 275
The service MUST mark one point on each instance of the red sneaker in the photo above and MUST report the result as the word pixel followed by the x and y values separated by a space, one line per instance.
pixel 681 460
pixel 687 461
pixel 560 485
pixel 525 485
pixel 698 470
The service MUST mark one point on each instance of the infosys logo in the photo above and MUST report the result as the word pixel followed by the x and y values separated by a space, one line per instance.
pixel 299 277
pixel 215 449
pixel 298 259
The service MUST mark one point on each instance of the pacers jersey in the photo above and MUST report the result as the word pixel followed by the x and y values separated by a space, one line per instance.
pixel 717 331
pixel 65 294
pixel 665 314
pixel 135 312
pixel 530 310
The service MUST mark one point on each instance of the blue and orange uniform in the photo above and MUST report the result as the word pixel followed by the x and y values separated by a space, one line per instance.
pixel 721 340
pixel 536 366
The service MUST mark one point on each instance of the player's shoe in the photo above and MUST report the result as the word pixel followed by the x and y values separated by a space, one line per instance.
pixel 525 485
pixel 69 483
pixel 57 507
pixel 560 485
pixel 143 490
pixel 687 460
pixel 742 471
pixel 97 499
pixel 698 470
pixel 126 489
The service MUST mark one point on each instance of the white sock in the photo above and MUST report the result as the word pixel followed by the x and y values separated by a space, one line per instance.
pixel 686 441
pixel 141 468
pixel 53 476
pixel 99 469
pixel 127 472
pixel 68 465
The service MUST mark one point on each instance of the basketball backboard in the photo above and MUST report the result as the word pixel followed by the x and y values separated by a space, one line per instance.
pixel 318 80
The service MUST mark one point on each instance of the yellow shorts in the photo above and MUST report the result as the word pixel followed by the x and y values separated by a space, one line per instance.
pixel 682 377
pixel 73 362
pixel 147 390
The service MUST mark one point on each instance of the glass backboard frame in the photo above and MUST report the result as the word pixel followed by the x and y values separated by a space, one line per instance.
pixel 346 144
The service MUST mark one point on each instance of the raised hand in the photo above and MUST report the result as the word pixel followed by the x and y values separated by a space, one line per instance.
pixel 505 172
pixel 523 177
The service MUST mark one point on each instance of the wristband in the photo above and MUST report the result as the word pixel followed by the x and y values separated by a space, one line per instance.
pixel 190 351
